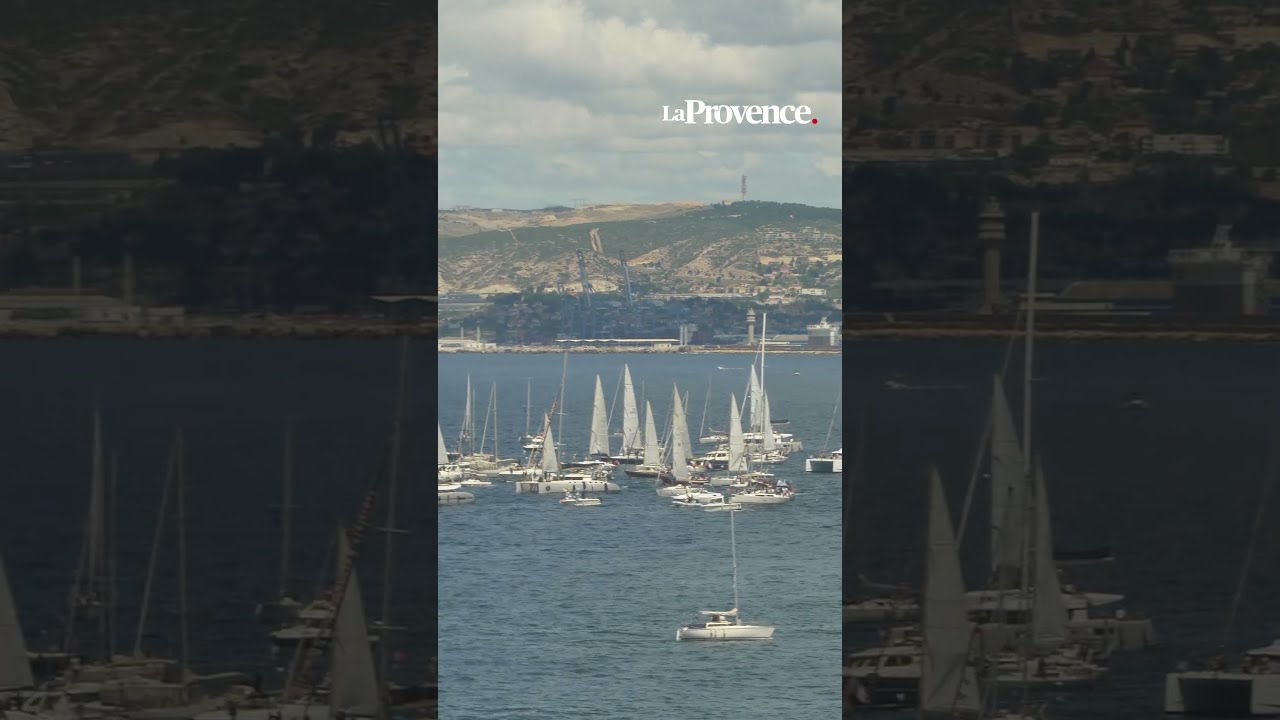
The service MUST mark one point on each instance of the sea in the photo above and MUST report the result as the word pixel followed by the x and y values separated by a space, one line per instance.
pixel 232 400
pixel 1174 489
pixel 557 612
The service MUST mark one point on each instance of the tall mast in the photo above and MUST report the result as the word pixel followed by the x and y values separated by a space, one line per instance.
pixel 384 647
pixel 182 558
pixel 286 510
pixel 111 558
pixel 733 544
pixel 528 403
pixel 1031 330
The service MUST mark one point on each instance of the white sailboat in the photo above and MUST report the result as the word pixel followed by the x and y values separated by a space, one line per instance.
pixel 827 462
pixel 948 682
pixel 651 462
pixel 445 470
pixel 553 481
pixel 762 488
pixel 632 441
pixel 726 624
pixel 681 477
pixel 598 442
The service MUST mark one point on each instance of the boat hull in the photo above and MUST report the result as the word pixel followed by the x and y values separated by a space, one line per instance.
pixel 729 632
pixel 1222 694
pixel 550 487
pixel 751 499
pixel 824 465
pixel 455 497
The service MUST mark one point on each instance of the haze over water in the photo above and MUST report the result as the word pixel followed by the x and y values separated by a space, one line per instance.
pixel 550 611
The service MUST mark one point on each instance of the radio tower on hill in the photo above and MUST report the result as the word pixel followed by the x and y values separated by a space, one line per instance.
pixel 744 188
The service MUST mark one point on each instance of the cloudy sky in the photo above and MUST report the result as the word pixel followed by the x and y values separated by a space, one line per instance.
pixel 544 102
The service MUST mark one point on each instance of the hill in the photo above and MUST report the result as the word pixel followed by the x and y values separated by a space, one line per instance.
pixel 465 222
pixel 173 73
pixel 709 248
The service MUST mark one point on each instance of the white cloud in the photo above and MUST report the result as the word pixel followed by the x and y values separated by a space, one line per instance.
pixel 563 98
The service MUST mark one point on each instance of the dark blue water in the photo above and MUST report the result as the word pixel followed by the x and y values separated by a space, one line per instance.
pixel 549 611
pixel 232 399
pixel 1172 489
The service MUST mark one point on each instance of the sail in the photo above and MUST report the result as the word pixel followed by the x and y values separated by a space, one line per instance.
pixel 652 453
pixel 679 439
pixel 353 681
pixel 465 435
pixel 630 417
pixel 947 680
pixel 1048 612
pixel 1008 483
pixel 550 463
pixel 737 448
pixel 767 441
pixel 599 443
pixel 753 401
pixel 15 666
pixel 442 458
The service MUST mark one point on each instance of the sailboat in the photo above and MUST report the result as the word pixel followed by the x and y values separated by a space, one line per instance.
pixel 598 440
pixel 827 462
pixel 682 482
pixel 446 472
pixel 284 605
pixel 553 481
pixel 762 488
pixel 726 624
pixel 651 462
pixel 632 450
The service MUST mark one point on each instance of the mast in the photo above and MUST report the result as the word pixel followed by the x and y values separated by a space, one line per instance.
pixel 155 548
pixel 733 546
pixel 1031 331
pixel 528 403
pixel 706 403
pixel 185 667
pixel 564 374
pixel 286 510
pixel 384 647
pixel 111 559
pixel 1029 519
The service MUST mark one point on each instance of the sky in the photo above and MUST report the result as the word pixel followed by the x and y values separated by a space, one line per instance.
pixel 556 102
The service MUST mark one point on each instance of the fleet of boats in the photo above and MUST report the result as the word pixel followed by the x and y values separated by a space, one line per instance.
pixel 92 675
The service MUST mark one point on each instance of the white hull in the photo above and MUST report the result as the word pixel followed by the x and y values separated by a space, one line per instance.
pixel 725 632
pixel 721 506
pixel 824 465
pixel 750 498
pixel 581 502
pixel 455 497
pixel 1222 694
pixel 549 487
pixel 673 490
pixel 699 498
pixel 476 483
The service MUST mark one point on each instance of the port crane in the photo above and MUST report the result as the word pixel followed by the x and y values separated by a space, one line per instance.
pixel 588 318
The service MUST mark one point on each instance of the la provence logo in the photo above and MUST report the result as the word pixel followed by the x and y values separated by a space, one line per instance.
pixel 694 110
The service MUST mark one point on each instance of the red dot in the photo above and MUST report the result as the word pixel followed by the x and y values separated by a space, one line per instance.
pixel 814 121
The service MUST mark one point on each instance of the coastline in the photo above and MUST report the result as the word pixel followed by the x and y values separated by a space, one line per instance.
pixel 195 328
pixel 857 330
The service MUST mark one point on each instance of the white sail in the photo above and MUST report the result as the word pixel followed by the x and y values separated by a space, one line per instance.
pixel 1008 485
pixel 737 448
pixel 550 463
pixel 354 684
pixel 630 417
pixel 464 437
pixel 767 440
pixel 652 453
pixel 753 400
pixel 443 453
pixel 679 439
pixel 1048 612
pixel 15 666
pixel 947 680
pixel 599 442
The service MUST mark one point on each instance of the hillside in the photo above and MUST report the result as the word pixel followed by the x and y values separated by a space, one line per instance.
pixel 704 249
pixel 147 73
pixel 466 222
